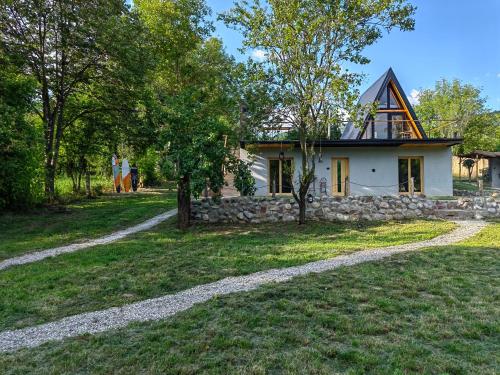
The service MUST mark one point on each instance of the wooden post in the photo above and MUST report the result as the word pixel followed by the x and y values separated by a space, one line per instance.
pixel 346 186
pixel 459 168
pixel 412 186
pixel 274 188
pixel 477 169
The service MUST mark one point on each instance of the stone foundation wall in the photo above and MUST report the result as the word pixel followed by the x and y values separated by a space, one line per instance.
pixel 264 209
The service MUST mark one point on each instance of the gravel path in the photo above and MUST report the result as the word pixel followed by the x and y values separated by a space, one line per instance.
pixel 162 307
pixel 39 255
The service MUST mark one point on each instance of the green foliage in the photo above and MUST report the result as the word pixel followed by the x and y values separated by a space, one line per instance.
pixel 84 58
pixel 20 151
pixel 195 104
pixel 244 182
pixel 452 109
pixel 149 169
pixel 468 163
pixel 482 133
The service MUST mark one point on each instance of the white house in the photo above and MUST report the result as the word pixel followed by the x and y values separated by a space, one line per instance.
pixel 390 155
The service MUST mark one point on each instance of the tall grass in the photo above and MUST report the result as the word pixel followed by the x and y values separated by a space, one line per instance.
pixel 98 183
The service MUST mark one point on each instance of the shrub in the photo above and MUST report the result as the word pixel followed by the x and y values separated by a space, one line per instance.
pixel 244 182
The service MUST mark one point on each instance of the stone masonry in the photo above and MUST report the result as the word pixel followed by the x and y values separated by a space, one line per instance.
pixel 267 209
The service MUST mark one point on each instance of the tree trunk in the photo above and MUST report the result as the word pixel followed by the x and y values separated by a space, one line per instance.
pixel 88 192
pixel 302 210
pixel 183 203
pixel 50 175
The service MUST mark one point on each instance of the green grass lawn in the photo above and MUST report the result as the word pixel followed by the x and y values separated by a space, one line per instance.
pixel 435 312
pixel 166 260
pixel 467 185
pixel 25 232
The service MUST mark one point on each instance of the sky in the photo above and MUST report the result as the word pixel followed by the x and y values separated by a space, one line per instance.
pixel 452 39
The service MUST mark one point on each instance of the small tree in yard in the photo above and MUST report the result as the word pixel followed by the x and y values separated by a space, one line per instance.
pixel 307 43
pixel 469 164
pixel 195 105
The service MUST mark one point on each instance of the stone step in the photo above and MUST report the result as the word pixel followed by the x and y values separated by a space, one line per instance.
pixel 456 213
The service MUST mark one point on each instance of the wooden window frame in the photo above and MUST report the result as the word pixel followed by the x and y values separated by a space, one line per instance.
pixel 421 158
pixel 279 188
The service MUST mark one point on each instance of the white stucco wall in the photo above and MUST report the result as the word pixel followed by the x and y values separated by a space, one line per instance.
pixel 362 160
pixel 495 172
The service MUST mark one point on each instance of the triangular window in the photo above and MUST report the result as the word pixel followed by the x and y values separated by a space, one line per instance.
pixel 393 102
pixel 382 102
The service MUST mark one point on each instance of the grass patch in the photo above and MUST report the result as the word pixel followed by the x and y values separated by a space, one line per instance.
pixel 434 311
pixel 470 185
pixel 41 229
pixel 166 260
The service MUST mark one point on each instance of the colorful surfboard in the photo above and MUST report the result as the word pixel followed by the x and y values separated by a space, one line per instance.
pixel 127 181
pixel 117 178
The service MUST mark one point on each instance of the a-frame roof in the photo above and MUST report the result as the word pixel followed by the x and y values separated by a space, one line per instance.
pixel 374 93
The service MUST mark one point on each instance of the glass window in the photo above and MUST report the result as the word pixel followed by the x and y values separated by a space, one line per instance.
pixel 403 175
pixel 381 128
pixel 367 134
pixel 415 173
pixel 408 169
pixel 274 180
pixel 383 100
pixel 393 103
pixel 286 176
pixel 280 176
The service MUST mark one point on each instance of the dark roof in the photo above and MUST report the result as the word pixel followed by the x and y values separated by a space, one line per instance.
pixel 372 94
pixel 364 142
pixel 482 154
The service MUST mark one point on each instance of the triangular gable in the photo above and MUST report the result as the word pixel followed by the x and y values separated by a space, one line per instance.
pixel 379 89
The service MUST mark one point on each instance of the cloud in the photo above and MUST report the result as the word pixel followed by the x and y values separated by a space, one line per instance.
pixel 414 97
pixel 498 75
pixel 259 54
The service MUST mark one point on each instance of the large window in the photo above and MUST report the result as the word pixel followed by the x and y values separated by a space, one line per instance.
pixel 280 176
pixel 381 126
pixel 400 127
pixel 410 168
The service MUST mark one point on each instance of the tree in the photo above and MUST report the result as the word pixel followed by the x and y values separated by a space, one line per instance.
pixel 469 164
pixel 196 109
pixel 307 44
pixel 446 110
pixel 20 155
pixel 481 133
pixel 65 46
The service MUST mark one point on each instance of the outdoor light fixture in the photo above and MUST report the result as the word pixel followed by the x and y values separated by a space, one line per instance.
pixel 282 156
pixel 320 157
pixel 310 198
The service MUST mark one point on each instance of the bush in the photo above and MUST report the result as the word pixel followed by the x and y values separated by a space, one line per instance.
pixel 149 168
pixel 244 182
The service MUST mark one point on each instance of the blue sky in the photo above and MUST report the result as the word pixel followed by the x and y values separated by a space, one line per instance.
pixel 452 39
